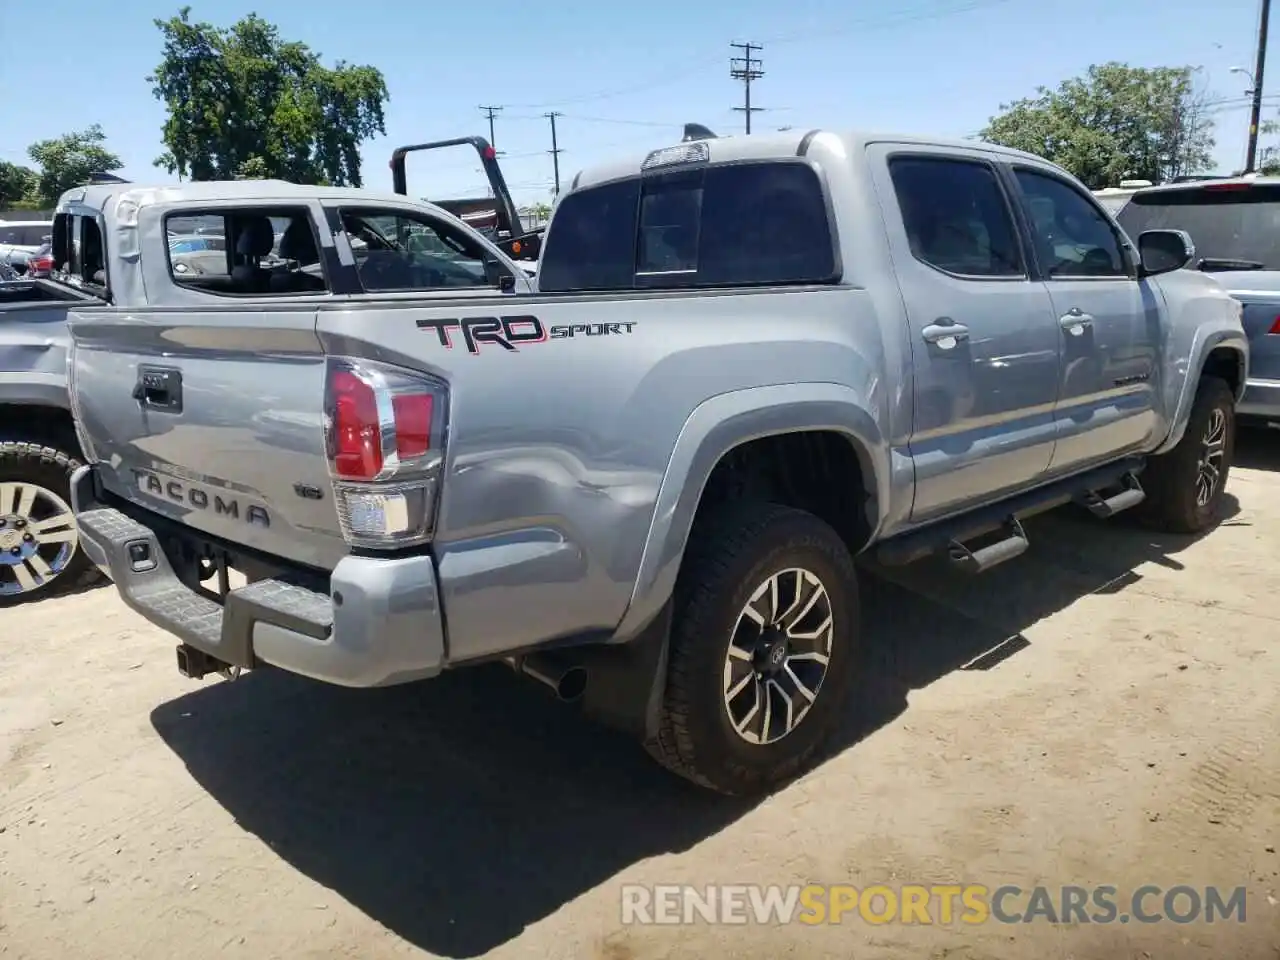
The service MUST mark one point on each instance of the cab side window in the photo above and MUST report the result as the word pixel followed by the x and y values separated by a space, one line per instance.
pixel 259 251
pixel 1073 239
pixel 956 217
pixel 407 250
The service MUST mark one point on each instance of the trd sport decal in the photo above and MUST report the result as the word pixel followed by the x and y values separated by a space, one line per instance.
pixel 511 333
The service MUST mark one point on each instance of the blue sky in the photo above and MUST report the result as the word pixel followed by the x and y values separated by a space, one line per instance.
pixel 627 76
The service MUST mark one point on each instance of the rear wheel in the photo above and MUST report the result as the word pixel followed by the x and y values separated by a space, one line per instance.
pixel 1185 486
pixel 39 547
pixel 763 649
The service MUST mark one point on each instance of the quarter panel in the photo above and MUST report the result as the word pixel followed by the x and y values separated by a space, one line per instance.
pixel 730 420
pixel 557 449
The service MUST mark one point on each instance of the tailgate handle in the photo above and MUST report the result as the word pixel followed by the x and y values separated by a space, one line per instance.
pixel 159 388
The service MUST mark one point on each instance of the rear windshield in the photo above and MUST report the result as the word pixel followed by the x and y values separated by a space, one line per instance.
pixel 732 225
pixel 1225 221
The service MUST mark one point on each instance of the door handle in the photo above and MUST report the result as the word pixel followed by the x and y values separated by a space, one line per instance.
pixel 159 388
pixel 1075 321
pixel 946 334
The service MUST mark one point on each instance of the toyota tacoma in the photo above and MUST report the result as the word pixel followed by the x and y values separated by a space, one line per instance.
pixel 643 477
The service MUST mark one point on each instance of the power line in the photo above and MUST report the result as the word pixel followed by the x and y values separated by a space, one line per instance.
pixel 555 149
pixel 746 68
pixel 680 70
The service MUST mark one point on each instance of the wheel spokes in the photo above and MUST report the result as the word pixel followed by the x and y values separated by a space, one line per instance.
pixel 778 655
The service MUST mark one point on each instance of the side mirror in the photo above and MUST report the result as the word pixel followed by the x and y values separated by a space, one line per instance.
pixel 1161 251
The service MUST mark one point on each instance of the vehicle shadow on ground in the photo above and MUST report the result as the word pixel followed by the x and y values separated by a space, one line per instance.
pixel 1257 448
pixel 928 620
pixel 460 811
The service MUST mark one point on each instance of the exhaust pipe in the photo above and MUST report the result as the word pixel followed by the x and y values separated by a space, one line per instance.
pixel 568 680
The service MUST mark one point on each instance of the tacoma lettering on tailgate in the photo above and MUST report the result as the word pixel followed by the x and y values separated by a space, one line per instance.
pixel 198 499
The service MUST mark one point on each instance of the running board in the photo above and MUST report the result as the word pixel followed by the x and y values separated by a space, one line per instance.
pixel 942 535
pixel 1104 507
pixel 1014 543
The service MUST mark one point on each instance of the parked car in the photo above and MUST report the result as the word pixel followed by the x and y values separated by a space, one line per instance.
pixel 1235 226
pixel 19 239
pixel 746 360
pixel 40 263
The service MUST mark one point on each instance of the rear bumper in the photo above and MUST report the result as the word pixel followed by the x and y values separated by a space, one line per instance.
pixel 379 624
pixel 1261 399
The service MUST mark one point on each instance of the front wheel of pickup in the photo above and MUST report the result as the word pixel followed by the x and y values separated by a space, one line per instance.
pixel 764 643
pixel 39 547
pixel 1185 486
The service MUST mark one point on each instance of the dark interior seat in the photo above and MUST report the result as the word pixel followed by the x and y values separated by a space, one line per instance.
pixel 254 241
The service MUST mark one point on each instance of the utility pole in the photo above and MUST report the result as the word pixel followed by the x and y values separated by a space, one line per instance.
pixel 555 150
pixel 746 68
pixel 491 112
pixel 1255 114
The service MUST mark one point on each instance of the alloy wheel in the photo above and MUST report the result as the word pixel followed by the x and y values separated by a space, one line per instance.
pixel 778 656
pixel 1213 448
pixel 37 537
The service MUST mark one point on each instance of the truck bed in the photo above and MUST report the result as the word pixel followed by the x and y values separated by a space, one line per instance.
pixel 18 294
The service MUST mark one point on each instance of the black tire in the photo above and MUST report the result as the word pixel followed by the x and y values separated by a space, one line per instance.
pixel 729 558
pixel 1172 479
pixel 51 469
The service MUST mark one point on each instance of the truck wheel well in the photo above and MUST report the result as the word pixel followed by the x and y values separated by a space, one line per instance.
pixel 51 426
pixel 1224 363
pixel 818 471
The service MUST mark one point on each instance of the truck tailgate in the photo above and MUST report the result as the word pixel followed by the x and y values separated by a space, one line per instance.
pixel 212 419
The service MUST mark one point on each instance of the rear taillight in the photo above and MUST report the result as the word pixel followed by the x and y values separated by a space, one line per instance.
pixel 1275 327
pixel 357 433
pixel 384 430
pixel 40 265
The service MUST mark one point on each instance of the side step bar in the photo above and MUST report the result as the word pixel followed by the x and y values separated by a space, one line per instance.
pixel 1014 543
pixel 1131 494
pixel 1005 519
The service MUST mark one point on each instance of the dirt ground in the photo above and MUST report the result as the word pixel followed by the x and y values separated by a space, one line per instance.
pixel 1105 711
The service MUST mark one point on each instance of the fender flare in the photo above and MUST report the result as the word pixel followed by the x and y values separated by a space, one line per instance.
pixel 1202 345
pixel 718 425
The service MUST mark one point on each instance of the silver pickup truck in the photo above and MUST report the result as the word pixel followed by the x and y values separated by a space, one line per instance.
pixel 38 448
pixel 747 360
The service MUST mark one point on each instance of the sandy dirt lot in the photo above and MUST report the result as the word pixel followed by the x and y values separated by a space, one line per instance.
pixel 1106 711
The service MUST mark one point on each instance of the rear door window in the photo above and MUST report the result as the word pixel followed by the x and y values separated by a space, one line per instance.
pixel 1226 221
pixel 731 225
pixel 956 217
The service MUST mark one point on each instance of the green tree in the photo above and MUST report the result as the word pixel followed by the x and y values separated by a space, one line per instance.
pixel 1269 156
pixel 1116 122
pixel 16 183
pixel 244 102
pixel 68 161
